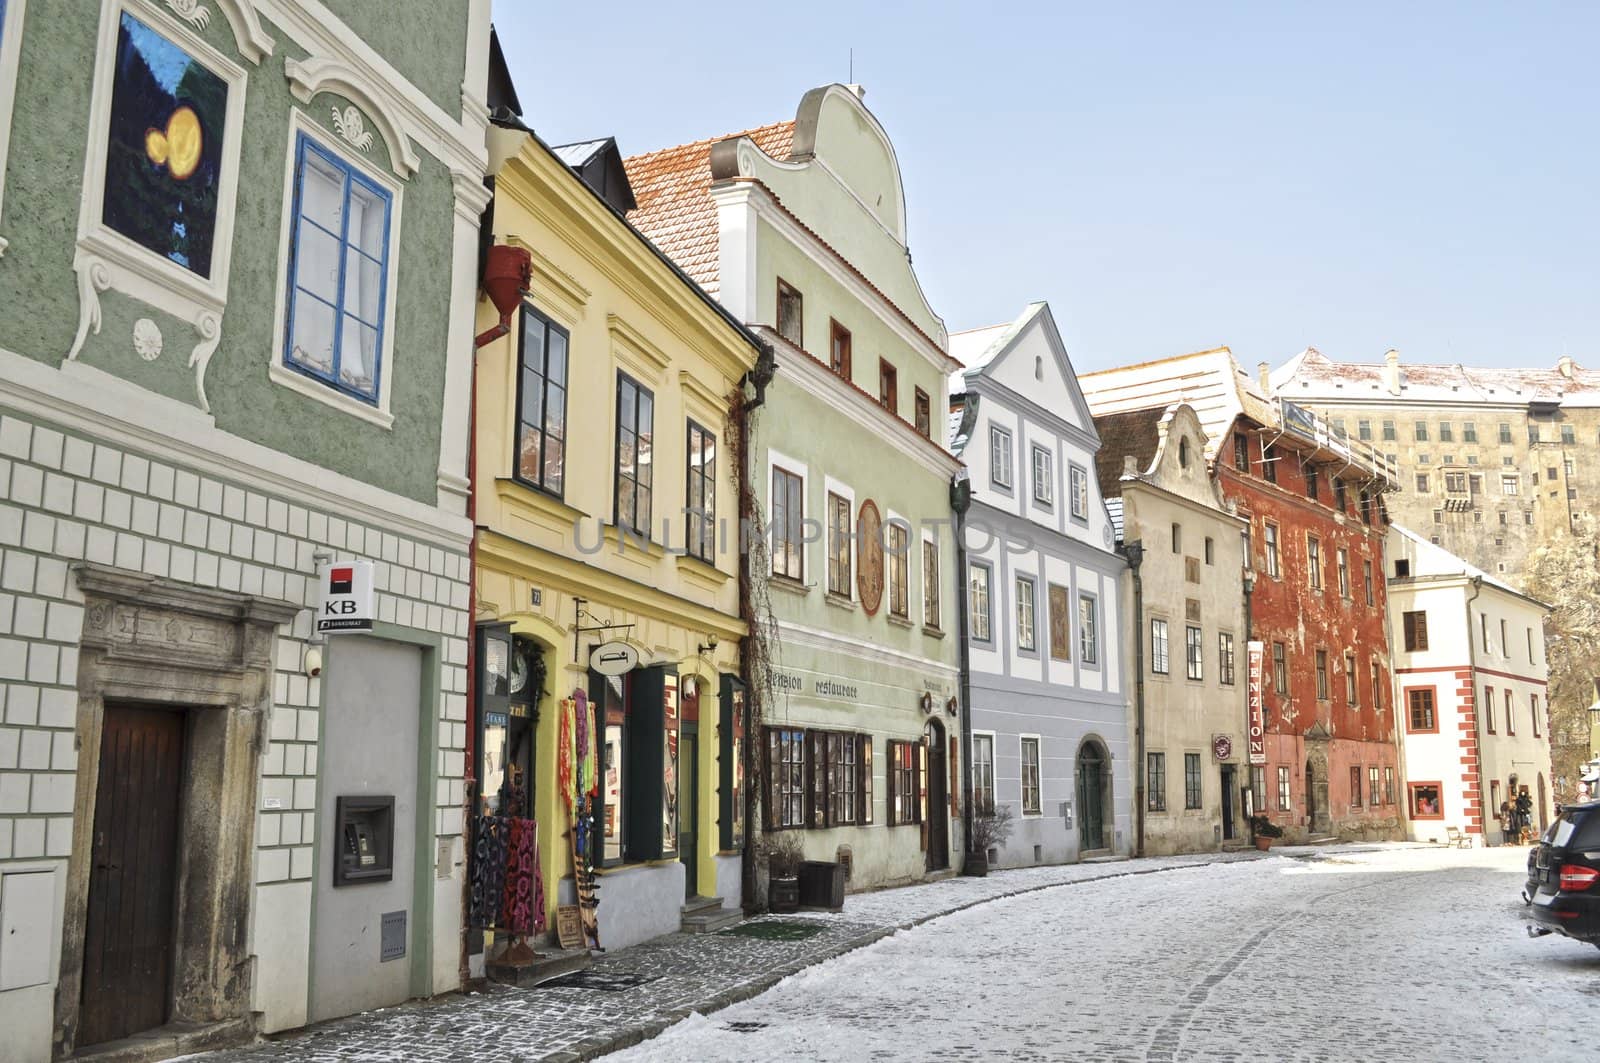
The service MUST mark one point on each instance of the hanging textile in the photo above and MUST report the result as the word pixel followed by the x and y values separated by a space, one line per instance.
pixel 588 771
pixel 488 874
pixel 523 899
pixel 566 754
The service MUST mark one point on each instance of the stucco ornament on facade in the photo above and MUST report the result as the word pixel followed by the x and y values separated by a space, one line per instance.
pixel 146 339
pixel 192 12
pixel 352 127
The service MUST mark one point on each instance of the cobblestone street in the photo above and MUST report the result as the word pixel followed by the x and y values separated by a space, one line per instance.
pixel 671 978
pixel 1378 953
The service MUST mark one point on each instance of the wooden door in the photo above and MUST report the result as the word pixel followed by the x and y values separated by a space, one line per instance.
pixel 128 937
pixel 938 823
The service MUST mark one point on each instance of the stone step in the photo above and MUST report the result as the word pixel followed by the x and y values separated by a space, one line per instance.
pixel 700 904
pixel 547 964
pixel 1326 839
pixel 710 920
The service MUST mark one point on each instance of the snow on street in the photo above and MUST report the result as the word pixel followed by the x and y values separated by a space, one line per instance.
pixel 1414 953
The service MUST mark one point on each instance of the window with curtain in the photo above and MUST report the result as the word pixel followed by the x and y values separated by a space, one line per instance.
pixel 787 513
pixel 838 544
pixel 899 561
pixel 338 272
pixel 702 493
pixel 542 403
pixel 932 611
pixel 635 432
pixel 1031 804
pixel 983 773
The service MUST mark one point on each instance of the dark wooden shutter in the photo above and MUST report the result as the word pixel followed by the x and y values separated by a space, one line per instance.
pixel 891 783
pixel 864 788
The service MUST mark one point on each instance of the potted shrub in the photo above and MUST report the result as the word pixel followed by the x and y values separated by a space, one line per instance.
pixel 783 871
pixel 1264 831
pixel 991 826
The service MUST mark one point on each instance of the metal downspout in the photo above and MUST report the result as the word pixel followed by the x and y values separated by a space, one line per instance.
pixel 1134 552
pixel 960 502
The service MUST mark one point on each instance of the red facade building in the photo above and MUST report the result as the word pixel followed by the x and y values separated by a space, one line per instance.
pixel 1315 590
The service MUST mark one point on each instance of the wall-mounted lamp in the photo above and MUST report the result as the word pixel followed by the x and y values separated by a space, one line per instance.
pixel 709 645
pixel 313 662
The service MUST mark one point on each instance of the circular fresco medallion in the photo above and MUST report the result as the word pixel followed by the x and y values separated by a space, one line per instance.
pixel 869 557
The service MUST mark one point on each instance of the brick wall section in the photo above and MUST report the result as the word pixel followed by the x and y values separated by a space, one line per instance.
pixel 1471 774
pixel 65 498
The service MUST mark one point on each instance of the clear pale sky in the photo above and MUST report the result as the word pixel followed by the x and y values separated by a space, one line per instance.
pixel 1169 176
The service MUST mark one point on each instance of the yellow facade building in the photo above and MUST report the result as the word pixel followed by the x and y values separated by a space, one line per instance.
pixel 607 513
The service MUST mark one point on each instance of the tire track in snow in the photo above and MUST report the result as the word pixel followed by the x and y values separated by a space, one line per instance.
pixel 1164 1044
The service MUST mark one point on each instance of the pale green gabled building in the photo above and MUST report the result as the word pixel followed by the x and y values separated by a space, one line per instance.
pixel 238 247
pixel 800 229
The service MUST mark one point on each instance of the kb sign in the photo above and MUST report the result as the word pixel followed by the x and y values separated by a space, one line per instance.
pixel 344 599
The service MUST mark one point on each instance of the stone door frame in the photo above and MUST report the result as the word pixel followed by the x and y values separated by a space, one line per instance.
pixel 159 642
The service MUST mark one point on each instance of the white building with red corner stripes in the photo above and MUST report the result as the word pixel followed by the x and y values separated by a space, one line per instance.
pixel 1471 682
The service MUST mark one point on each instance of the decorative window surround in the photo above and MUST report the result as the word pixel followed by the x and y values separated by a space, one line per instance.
pixel 324 74
pixel 321 33
pixel 300 124
pixel 106 260
pixel 10 56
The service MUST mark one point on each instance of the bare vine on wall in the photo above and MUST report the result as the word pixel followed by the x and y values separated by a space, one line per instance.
pixel 755 608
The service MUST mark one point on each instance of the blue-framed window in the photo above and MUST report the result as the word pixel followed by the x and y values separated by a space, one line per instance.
pixel 338 273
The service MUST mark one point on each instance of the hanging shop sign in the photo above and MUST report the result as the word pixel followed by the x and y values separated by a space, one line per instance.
pixel 1258 717
pixel 1222 746
pixel 614 658
pixel 344 596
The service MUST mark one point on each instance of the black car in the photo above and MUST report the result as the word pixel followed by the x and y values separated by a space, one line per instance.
pixel 1566 875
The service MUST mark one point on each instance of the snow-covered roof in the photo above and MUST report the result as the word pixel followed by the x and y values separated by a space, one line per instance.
pixel 1430 559
pixel 1313 375
pixel 1209 381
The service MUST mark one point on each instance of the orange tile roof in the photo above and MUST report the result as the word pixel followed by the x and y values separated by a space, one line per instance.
pixel 673 189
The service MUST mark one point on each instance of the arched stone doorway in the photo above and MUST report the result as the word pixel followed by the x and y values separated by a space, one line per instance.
pixel 1094 796
pixel 937 821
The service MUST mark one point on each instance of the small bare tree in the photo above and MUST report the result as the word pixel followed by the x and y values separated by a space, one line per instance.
pixel 1564 573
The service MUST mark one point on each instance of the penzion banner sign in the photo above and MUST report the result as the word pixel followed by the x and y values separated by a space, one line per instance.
pixel 1258 716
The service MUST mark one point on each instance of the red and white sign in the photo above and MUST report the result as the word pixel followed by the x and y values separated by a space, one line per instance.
pixel 345 598
pixel 1258 715
pixel 1222 746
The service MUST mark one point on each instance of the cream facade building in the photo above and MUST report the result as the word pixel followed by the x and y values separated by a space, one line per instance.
pixel 1187 603
pixel 1491 461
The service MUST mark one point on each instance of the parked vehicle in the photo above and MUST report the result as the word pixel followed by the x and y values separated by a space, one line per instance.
pixel 1565 876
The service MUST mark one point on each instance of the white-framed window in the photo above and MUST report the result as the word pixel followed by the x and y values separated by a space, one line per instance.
pixel 1078 477
pixel 1044 492
pixel 11 17
pixel 1088 629
pixel 1032 804
pixel 932 600
pixel 1025 614
pixel 1000 456
pixel 897 559
pixel 786 514
pixel 334 329
pixel 978 607
pixel 982 771
pixel 841 541
pixel 1159 653
pixel 156 215
pixel 339 246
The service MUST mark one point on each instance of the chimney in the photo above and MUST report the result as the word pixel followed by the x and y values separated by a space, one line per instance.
pixel 1130 465
pixel 1264 375
pixel 1564 366
pixel 1391 371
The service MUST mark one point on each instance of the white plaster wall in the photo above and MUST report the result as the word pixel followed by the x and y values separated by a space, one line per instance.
pixel 730 880
pixel 66 496
pixel 281 941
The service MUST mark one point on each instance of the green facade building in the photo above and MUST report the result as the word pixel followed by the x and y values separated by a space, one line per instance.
pixel 238 246
pixel 799 228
